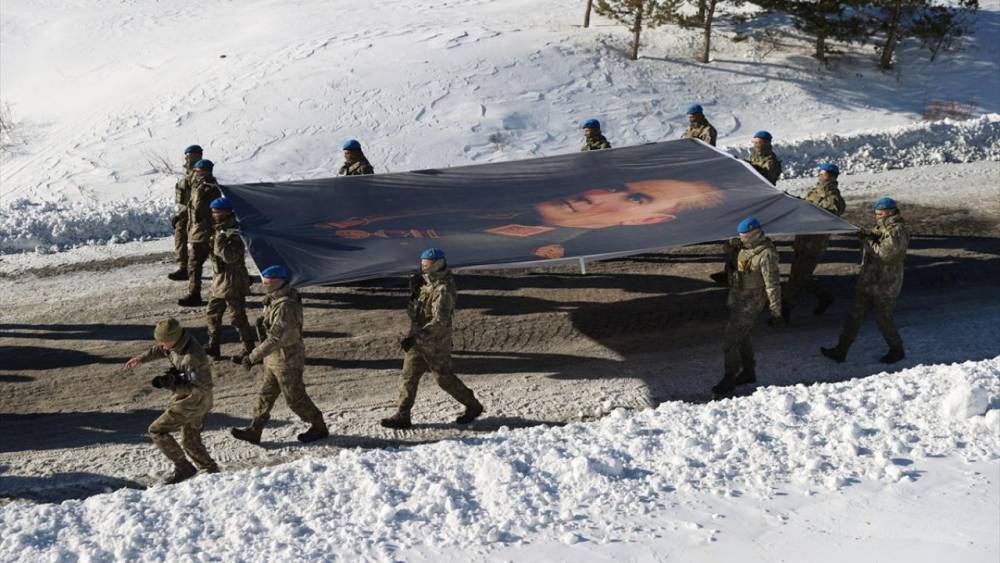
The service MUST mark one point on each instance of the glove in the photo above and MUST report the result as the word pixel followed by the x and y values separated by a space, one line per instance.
pixel 407 343
pixel 864 233
pixel 776 322
pixel 416 282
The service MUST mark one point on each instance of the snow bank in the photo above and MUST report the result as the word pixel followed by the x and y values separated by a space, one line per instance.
pixel 921 144
pixel 535 484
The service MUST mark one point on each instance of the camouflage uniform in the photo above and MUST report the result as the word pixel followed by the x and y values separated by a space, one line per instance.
pixel 203 191
pixel 430 311
pixel 753 285
pixel 230 285
pixel 703 131
pixel 182 193
pixel 359 167
pixel 808 248
pixel 283 354
pixel 766 163
pixel 880 280
pixel 596 143
pixel 188 406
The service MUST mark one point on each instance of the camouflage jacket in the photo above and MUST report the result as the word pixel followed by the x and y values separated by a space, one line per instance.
pixel 882 256
pixel 597 143
pixel 826 195
pixel 765 162
pixel 189 357
pixel 230 277
pixel 203 191
pixel 359 168
pixel 431 312
pixel 282 346
pixel 756 271
pixel 182 189
pixel 703 131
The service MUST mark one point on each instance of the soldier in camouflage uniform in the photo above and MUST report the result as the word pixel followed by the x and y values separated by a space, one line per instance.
pixel 593 139
pixel 698 126
pixel 355 162
pixel 182 193
pixel 428 345
pixel 230 280
pixel 808 248
pixel 879 282
pixel 754 285
pixel 204 190
pixel 190 384
pixel 283 354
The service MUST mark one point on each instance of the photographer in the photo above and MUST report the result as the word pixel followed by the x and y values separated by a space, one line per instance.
pixel 189 378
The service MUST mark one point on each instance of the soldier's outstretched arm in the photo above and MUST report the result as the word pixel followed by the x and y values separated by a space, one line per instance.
pixel 275 336
pixel 156 352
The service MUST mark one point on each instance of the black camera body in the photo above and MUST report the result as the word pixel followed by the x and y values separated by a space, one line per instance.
pixel 171 378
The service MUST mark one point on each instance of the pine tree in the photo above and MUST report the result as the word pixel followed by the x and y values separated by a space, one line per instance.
pixel 637 14
pixel 935 24
pixel 824 20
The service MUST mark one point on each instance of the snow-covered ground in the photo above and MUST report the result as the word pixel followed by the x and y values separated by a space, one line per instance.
pixel 902 466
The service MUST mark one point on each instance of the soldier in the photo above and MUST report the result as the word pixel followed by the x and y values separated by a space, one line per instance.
pixel 883 250
pixel 182 193
pixel 190 382
pixel 754 283
pixel 808 248
pixel 355 162
pixel 698 126
pixel 204 190
pixel 283 354
pixel 593 139
pixel 428 345
pixel 230 280
pixel 763 159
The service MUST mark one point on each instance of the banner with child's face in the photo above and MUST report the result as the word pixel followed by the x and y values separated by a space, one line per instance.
pixel 595 204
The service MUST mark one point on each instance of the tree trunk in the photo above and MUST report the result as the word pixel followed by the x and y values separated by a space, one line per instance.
pixel 586 15
pixel 701 10
pixel 820 46
pixel 636 31
pixel 709 16
pixel 891 36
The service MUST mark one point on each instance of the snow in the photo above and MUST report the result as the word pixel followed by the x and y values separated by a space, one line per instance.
pixel 781 459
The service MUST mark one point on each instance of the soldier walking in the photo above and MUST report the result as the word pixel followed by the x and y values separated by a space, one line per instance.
pixel 355 161
pixel 593 139
pixel 204 190
pixel 698 126
pixel 230 280
pixel 182 193
pixel 189 380
pixel 808 248
pixel 428 345
pixel 283 354
pixel 883 251
pixel 763 158
pixel 754 284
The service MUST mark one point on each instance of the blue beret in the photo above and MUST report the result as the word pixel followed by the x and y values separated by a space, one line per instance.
pixel 221 203
pixel 885 203
pixel 432 254
pixel 762 135
pixel 747 225
pixel 275 272
pixel 695 108
pixel 591 124
pixel 830 167
pixel 351 145
pixel 193 149
pixel 204 163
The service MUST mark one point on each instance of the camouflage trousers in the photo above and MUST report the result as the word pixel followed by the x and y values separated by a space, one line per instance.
pixel 884 305
pixel 737 348
pixel 198 253
pixel 186 414
pixel 181 238
pixel 416 364
pixel 287 382
pixel 800 278
pixel 237 307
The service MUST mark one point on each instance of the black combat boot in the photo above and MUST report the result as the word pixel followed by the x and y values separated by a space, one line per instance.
pixel 192 300
pixel 249 434
pixel 746 377
pixel 837 353
pixel 181 274
pixel 399 421
pixel 726 385
pixel 894 355
pixel 823 304
pixel 213 349
pixel 209 470
pixel 471 413
pixel 317 431
pixel 720 278
pixel 786 314
pixel 182 471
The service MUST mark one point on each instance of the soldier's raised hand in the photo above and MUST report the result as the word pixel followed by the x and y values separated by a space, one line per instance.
pixel 132 363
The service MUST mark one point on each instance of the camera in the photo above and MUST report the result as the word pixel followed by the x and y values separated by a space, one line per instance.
pixel 170 379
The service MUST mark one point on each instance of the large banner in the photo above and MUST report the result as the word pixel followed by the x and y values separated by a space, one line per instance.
pixel 597 204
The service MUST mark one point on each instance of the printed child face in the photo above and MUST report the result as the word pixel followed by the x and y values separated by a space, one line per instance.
pixel 645 202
